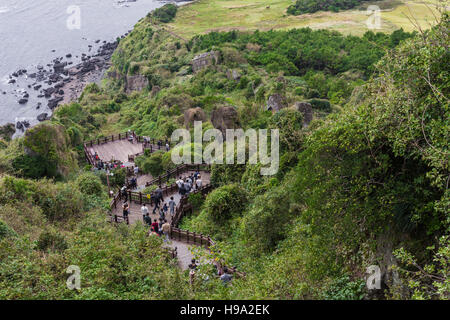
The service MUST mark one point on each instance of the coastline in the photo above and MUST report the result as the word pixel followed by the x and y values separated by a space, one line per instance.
pixel 58 82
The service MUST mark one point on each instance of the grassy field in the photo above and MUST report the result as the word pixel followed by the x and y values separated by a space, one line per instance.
pixel 222 15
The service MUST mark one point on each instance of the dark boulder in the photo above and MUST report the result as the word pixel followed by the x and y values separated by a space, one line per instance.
pixel 42 117
pixel 306 110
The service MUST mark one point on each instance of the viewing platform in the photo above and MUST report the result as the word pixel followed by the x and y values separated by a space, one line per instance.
pixel 123 148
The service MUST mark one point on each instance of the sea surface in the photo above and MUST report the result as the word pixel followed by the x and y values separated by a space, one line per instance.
pixel 35 32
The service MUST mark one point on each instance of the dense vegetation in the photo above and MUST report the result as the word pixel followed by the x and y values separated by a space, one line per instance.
pixel 166 13
pixel 366 182
pixel 311 6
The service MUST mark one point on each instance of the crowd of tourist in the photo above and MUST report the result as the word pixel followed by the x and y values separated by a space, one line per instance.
pixel 189 183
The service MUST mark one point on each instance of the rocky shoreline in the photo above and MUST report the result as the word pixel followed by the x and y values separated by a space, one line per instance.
pixel 62 82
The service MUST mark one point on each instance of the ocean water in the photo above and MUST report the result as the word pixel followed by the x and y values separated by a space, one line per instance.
pixel 35 32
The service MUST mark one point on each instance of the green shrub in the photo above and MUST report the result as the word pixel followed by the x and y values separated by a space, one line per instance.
pixel 89 183
pixel 196 199
pixel 149 189
pixel 224 202
pixel 344 289
pixel 29 167
pixel 6 231
pixel 153 164
pixel 166 13
pixel 321 104
pixel 51 241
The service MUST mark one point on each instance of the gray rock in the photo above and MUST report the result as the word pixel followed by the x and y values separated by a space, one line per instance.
pixel 276 102
pixel 205 60
pixel 225 118
pixel 306 109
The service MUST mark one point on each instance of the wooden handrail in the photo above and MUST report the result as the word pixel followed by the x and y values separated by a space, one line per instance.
pixel 121 136
pixel 182 208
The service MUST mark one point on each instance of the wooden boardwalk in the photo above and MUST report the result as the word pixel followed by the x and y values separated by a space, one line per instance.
pixel 144 178
pixel 184 255
pixel 119 148
pixel 116 150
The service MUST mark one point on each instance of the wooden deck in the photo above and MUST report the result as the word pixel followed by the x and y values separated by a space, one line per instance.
pixel 184 252
pixel 116 150
pixel 135 208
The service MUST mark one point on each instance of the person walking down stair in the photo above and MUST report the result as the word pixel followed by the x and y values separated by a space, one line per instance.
pixel 166 230
pixel 155 226
pixel 125 212
pixel 144 211
pixel 158 198
pixel 172 206
pixel 199 182
pixel 147 219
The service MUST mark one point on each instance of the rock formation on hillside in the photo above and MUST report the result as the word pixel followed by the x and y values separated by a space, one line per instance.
pixel 205 60
pixel 306 109
pixel 193 114
pixel 225 118
pixel 135 83
pixel 276 102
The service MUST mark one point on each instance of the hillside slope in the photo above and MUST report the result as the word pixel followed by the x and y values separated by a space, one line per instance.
pixel 363 178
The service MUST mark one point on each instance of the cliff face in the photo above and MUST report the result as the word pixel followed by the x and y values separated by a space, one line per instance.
pixel 131 83
pixel 225 118
pixel 205 60
pixel 135 83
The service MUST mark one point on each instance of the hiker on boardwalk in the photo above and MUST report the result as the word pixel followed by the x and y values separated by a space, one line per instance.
pixel 144 211
pixel 167 147
pixel 133 183
pixel 179 183
pixel 125 211
pixel 147 219
pixel 155 226
pixel 166 230
pixel 136 170
pixel 187 188
pixel 172 205
pixel 198 182
pixel 164 210
pixel 124 193
pixel 158 198
pixel 159 193
pixel 192 268
pixel 160 224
